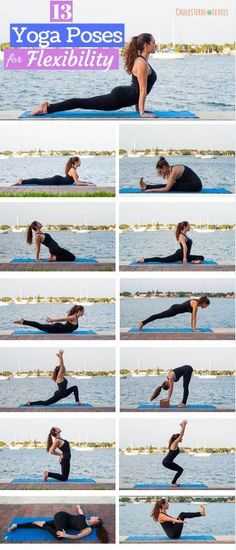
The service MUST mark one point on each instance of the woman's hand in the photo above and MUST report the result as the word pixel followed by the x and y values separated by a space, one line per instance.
pixel 49 320
pixel 62 534
pixel 148 115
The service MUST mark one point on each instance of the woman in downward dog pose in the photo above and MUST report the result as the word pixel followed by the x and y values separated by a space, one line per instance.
pixel 57 254
pixel 71 176
pixel 64 522
pixel 61 325
pixel 58 376
pixel 180 179
pixel 173 527
pixel 190 306
pixel 143 79
pixel 168 461
pixel 61 448
pixel 183 253
pixel 174 376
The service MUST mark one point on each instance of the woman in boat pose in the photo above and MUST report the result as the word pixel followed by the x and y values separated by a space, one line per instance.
pixel 173 527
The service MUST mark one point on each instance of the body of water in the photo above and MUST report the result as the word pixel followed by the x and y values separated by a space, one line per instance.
pixel 220 390
pixel 98 464
pixel 217 469
pixel 99 170
pixel 97 390
pixel 218 245
pixel 194 83
pixel 213 173
pixel 219 519
pixel 98 317
pixel 98 244
pixel 134 310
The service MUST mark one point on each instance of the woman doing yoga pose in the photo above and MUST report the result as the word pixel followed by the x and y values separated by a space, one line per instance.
pixel 190 306
pixel 174 376
pixel 64 522
pixel 71 176
pixel 57 254
pixel 180 179
pixel 56 326
pixel 183 254
pixel 173 527
pixel 64 454
pixel 168 461
pixel 58 376
pixel 143 79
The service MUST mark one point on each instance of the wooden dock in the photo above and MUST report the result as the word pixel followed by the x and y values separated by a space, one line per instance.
pixel 223 266
pixel 53 337
pixel 218 539
pixel 57 191
pixel 58 266
pixel 217 334
pixel 218 408
pixel 58 486
pixel 78 410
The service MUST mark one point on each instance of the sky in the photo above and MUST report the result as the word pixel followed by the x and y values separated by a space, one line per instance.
pixel 64 287
pixel 154 18
pixel 46 213
pixel 185 283
pixel 92 429
pixel 94 359
pixel 176 136
pixel 73 135
pixel 158 431
pixel 132 213
pixel 168 359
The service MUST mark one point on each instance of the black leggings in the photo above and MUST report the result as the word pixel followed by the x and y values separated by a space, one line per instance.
pixel 174 530
pixel 65 470
pixel 176 257
pixel 63 255
pixel 55 180
pixel 171 312
pixel 170 465
pixel 193 185
pixel 59 522
pixel 58 395
pixel 118 98
pixel 57 328
pixel 186 381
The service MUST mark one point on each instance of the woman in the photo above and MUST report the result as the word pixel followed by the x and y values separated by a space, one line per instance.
pixel 183 254
pixel 173 527
pixel 61 448
pixel 174 376
pixel 180 179
pixel 168 461
pixel 58 376
pixel 56 326
pixel 64 522
pixel 143 79
pixel 190 306
pixel 57 254
pixel 71 176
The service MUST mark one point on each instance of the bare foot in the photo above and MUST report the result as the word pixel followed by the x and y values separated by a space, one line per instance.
pixel 202 510
pixel 181 406
pixel 27 404
pixel 197 262
pixel 19 182
pixel 78 403
pixel 175 484
pixel 140 325
pixel 52 259
pixel 140 261
pixel 42 109
pixel 142 184
pixel 39 523
pixel 12 528
pixel 18 322
pixel 45 475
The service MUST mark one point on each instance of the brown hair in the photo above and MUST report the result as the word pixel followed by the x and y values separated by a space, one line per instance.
pixel 163 386
pixel 101 532
pixel 52 433
pixel 204 300
pixel 180 227
pixel 75 309
pixel 172 439
pixel 70 163
pixel 29 234
pixel 157 508
pixel 133 48
pixel 162 162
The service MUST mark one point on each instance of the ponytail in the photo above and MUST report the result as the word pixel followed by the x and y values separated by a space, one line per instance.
pixel 102 533
pixel 29 234
pixel 157 392
pixel 161 163
pixel 52 433
pixel 157 509
pixel 134 48
pixel 75 309
pixel 55 373
pixel 180 227
pixel 70 163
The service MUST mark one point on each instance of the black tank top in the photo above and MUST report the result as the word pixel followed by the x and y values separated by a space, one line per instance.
pixel 150 81
pixel 62 385
pixel 172 454
pixel 69 327
pixel 49 242
pixel 188 176
pixel 65 448
pixel 167 526
pixel 78 522
pixel 188 241
pixel 185 307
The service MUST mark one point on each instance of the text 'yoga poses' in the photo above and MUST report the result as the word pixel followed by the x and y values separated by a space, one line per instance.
pixel 62 392
pixel 180 179
pixel 61 448
pixel 64 522
pixel 168 461
pixel 61 325
pixel 173 527
pixel 71 176
pixel 183 254
pixel 189 306
pixel 57 254
pixel 174 376
pixel 136 57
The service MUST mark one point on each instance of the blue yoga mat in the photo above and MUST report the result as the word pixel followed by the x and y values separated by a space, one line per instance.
pixel 33 261
pixel 157 406
pixel 22 331
pixel 163 537
pixel 165 330
pixel 121 113
pixel 37 535
pixel 51 480
pixel 168 486
pixel 58 405
pixel 205 262
pixel 213 190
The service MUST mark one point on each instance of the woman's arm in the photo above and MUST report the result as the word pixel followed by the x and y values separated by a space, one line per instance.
pixel 163 517
pixel 53 448
pixel 62 369
pixel 59 319
pixel 79 509
pixel 142 76
pixel 183 242
pixel 37 246
pixel 181 435
pixel 194 314
pixel 81 535
pixel 169 184
pixel 171 388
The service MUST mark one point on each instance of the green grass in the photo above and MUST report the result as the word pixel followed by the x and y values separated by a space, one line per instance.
pixel 59 195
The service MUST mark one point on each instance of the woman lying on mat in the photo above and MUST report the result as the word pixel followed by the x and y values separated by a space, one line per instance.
pixel 174 376
pixel 173 527
pixel 180 179
pixel 63 522
pixel 71 176
pixel 57 254
pixel 56 326
pixel 190 306
pixel 143 79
